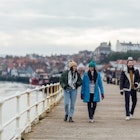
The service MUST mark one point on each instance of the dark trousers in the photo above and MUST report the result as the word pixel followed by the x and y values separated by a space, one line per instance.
pixel 133 95
pixel 91 106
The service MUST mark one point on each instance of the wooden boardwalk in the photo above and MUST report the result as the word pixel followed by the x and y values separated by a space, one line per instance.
pixel 110 123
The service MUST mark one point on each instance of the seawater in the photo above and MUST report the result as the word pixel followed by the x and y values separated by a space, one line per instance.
pixel 9 108
pixel 10 88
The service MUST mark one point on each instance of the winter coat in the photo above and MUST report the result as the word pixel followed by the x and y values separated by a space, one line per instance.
pixel 64 80
pixel 85 90
pixel 125 83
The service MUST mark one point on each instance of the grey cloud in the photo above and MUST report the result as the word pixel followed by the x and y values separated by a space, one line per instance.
pixel 33 16
pixel 74 13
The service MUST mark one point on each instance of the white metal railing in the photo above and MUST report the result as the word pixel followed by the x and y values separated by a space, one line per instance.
pixel 18 112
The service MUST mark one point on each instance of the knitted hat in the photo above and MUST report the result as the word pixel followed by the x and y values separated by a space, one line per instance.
pixel 92 64
pixel 72 63
pixel 129 59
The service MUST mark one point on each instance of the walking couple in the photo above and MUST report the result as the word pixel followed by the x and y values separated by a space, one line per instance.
pixel 90 93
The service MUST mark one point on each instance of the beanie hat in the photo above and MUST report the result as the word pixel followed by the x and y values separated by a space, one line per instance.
pixel 72 63
pixel 129 59
pixel 92 64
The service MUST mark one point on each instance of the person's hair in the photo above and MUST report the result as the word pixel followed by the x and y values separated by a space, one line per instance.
pixel 94 77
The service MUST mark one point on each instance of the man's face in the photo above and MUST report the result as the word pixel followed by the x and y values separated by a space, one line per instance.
pixel 130 64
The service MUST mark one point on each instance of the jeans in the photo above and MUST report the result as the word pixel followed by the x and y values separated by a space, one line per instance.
pixel 70 98
pixel 91 106
pixel 133 95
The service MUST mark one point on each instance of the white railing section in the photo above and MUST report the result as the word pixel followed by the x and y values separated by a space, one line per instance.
pixel 20 111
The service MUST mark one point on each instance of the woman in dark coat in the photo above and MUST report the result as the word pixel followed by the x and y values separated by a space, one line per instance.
pixel 70 81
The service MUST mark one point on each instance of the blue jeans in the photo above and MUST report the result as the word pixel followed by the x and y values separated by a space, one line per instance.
pixel 69 98
pixel 133 95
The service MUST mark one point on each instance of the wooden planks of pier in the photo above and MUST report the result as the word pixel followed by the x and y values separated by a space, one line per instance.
pixel 110 123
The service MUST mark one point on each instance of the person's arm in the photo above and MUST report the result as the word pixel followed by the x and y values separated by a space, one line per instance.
pixel 101 86
pixel 62 80
pixel 79 81
pixel 83 87
pixel 121 82
pixel 137 81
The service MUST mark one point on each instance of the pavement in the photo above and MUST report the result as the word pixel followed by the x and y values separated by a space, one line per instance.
pixel 109 124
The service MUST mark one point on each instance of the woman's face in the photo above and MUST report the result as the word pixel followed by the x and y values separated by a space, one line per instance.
pixel 91 68
pixel 74 68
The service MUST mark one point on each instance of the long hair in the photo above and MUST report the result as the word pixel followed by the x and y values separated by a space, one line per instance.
pixel 73 72
pixel 92 77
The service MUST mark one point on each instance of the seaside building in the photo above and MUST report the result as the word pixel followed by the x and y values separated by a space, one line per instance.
pixel 125 47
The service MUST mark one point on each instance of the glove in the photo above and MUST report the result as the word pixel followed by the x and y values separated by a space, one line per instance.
pixel 102 96
pixel 82 96
pixel 135 85
pixel 121 92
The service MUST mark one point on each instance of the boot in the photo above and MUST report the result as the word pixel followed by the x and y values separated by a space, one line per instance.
pixel 70 119
pixel 66 117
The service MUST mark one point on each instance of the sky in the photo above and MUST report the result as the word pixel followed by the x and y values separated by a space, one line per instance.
pixel 49 27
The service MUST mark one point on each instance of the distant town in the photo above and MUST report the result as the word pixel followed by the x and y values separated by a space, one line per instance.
pixel 35 67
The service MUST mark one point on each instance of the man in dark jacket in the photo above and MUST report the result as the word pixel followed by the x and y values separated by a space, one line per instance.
pixel 129 81
pixel 70 81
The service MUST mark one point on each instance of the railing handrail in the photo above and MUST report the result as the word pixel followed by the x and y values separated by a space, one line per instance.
pixel 53 96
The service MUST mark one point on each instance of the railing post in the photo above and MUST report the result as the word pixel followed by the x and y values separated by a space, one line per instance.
pixel 43 96
pixel 28 129
pixel 61 91
pixel 36 108
pixel 58 94
pixel 55 95
pixel 51 96
pixel 48 97
pixel 18 135
pixel 1 126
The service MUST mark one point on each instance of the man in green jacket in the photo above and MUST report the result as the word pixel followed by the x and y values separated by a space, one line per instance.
pixel 70 80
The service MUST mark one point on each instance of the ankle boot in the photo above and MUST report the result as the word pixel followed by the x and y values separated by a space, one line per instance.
pixel 66 117
pixel 70 119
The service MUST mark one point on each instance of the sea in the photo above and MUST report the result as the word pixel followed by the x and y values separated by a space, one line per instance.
pixel 11 88
pixel 9 108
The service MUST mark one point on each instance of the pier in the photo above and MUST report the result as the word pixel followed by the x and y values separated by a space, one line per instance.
pixel 110 123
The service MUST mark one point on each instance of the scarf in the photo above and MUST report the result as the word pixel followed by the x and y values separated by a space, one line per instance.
pixel 72 79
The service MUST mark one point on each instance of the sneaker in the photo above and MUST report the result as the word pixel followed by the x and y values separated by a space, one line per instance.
pixel 66 117
pixel 127 118
pixel 131 116
pixel 71 120
pixel 91 120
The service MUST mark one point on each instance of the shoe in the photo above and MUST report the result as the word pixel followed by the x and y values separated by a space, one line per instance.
pixel 66 117
pixel 127 118
pixel 70 119
pixel 131 116
pixel 91 120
